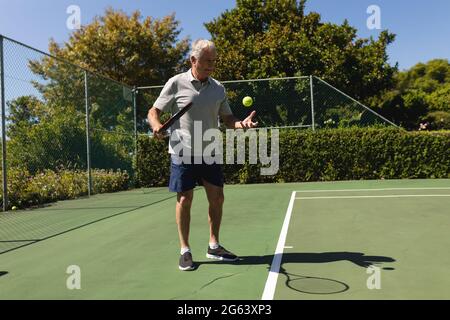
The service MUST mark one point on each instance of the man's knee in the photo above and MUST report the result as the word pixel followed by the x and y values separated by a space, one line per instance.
pixel 185 199
pixel 217 199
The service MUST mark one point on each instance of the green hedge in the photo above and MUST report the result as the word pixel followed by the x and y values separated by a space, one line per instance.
pixel 26 190
pixel 326 155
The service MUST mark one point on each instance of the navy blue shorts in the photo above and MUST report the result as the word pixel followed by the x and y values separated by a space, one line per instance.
pixel 185 177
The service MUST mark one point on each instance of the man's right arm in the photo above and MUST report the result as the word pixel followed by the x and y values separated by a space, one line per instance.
pixel 155 122
pixel 164 103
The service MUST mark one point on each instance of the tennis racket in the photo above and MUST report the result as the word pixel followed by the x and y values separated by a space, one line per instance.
pixel 166 125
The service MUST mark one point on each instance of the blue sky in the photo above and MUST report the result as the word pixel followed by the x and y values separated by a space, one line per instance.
pixel 422 28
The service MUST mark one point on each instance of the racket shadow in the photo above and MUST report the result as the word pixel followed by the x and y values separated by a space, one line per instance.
pixel 308 284
pixel 359 259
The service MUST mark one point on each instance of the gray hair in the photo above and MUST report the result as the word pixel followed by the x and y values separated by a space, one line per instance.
pixel 199 45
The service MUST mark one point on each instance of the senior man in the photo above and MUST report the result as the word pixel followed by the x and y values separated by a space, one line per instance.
pixel 209 102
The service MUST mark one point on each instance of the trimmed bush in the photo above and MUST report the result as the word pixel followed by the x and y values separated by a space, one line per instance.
pixel 326 155
pixel 26 190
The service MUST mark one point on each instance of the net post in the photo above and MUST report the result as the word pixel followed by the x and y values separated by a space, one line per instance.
pixel 311 85
pixel 2 97
pixel 88 138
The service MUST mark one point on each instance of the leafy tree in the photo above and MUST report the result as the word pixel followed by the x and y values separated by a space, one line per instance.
pixel 45 142
pixel 421 93
pixel 23 112
pixel 439 100
pixel 275 38
pixel 439 120
pixel 39 141
pixel 125 48
pixel 49 132
pixel 425 77
pixel 128 49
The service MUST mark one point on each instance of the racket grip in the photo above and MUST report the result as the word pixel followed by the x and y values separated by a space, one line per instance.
pixel 164 133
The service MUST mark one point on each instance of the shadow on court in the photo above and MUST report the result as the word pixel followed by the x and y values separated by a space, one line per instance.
pixel 77 224
pixel 359 259
pixel 308 284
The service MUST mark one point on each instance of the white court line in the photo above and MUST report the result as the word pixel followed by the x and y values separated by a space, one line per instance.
pixel 271 283
pixel 387 196
pixel 360 190
pixel 269 289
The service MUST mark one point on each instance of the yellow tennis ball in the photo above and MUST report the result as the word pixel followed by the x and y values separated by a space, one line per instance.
pixel 247 101
pixel 14 208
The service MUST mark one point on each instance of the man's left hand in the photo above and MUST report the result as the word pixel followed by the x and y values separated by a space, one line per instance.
pixel 248 123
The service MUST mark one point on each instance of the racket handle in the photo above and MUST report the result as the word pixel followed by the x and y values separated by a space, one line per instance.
pixel 165 134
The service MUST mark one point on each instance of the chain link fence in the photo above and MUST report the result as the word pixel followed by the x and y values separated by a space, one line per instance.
pixel 60 118
pixel 298 102
pixel 335 109
pixel 62 123
pixel 111 125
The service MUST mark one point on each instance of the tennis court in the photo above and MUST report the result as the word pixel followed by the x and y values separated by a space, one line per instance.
pixel 324 237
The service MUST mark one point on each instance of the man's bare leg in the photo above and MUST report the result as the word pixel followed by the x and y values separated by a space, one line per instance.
pixel 216 200
pixel 183 216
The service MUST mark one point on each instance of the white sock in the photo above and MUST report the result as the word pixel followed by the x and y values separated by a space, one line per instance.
pixel 214 245
pixel 184 250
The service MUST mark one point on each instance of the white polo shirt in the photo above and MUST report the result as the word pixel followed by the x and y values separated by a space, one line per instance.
pixel 209 101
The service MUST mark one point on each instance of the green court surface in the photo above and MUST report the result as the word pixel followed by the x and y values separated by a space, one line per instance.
pixel 335 240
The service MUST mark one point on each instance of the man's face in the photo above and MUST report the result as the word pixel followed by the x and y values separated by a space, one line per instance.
pixel 206 64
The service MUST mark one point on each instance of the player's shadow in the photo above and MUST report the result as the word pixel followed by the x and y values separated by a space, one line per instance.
pixel 3 273
pixel 357 258
pixel 310 284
